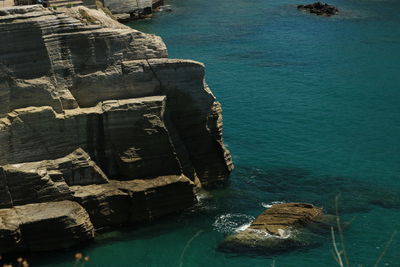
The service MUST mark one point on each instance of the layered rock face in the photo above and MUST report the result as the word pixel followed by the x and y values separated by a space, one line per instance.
pixel 94 116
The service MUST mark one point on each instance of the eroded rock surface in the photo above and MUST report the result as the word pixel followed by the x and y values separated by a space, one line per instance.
pixel 125 10
pixel 44 226
pixel 136 201
pixel 280 228
pixel 95 114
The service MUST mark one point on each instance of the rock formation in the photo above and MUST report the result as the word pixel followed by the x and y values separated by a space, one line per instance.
pixel 281 227
pixel 125 10
pixel 98 128
pixel 319 9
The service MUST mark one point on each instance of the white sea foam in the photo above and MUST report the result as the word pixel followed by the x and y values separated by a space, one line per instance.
pixel 242 227
pixel 269 205
pixel 282 234
pixel 203 195
pixel 232 222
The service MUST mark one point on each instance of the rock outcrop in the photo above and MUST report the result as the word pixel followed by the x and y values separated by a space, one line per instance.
pixel 280 228
pixel 319 9
pixel 44 226
pixel 95 116
pixel 125 10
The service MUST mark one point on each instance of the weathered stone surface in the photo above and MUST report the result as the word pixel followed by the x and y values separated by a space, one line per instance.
pixel 100 116
pixel 89 64
pixel 47 180
pixel 44 226
pixel 135 9
pixel 282 227
pixel 136 201
pixel 280 218
pixel 319 9
pixel 31 183
pixel 79 169
pixel 158 197
pixel 59 48
pixel 106 204
pixel 127 6
pixel 195 113
pixel 10 234
pixel 126 138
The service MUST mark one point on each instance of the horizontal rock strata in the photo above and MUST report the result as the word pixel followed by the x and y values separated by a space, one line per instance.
pixel 98 122
pixel 44 226
pixel 136 201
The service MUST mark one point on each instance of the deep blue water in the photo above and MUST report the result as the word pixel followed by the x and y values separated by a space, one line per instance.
pixel 311 110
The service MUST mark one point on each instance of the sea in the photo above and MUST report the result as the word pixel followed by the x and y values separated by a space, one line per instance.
pixel 311 109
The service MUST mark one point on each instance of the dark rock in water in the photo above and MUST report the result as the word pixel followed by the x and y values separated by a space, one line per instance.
pixel 319 9
pixel 280 228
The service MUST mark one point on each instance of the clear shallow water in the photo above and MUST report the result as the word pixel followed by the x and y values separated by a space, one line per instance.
pixel 311 109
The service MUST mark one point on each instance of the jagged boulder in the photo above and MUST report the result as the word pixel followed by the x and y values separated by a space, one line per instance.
pixel 280 228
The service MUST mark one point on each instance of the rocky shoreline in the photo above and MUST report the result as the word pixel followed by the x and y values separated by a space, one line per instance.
pixel 98 128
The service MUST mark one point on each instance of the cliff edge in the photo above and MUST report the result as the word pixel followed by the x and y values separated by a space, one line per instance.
pixel 98 128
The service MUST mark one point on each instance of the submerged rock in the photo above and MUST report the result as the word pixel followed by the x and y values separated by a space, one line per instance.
pixel 282 227
pixel 319 9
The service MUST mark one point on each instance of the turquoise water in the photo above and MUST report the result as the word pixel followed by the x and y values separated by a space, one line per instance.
pixel 311 110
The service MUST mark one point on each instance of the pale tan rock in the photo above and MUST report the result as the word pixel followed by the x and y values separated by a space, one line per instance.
pixel 59 47
pixel 95 112
pixel 75 66
pixel 10 233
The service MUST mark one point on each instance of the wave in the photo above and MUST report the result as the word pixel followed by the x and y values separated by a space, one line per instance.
pixel 232 222
pixel 269 205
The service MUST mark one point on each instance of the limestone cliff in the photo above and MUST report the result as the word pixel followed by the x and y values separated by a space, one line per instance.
pixel 98 128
